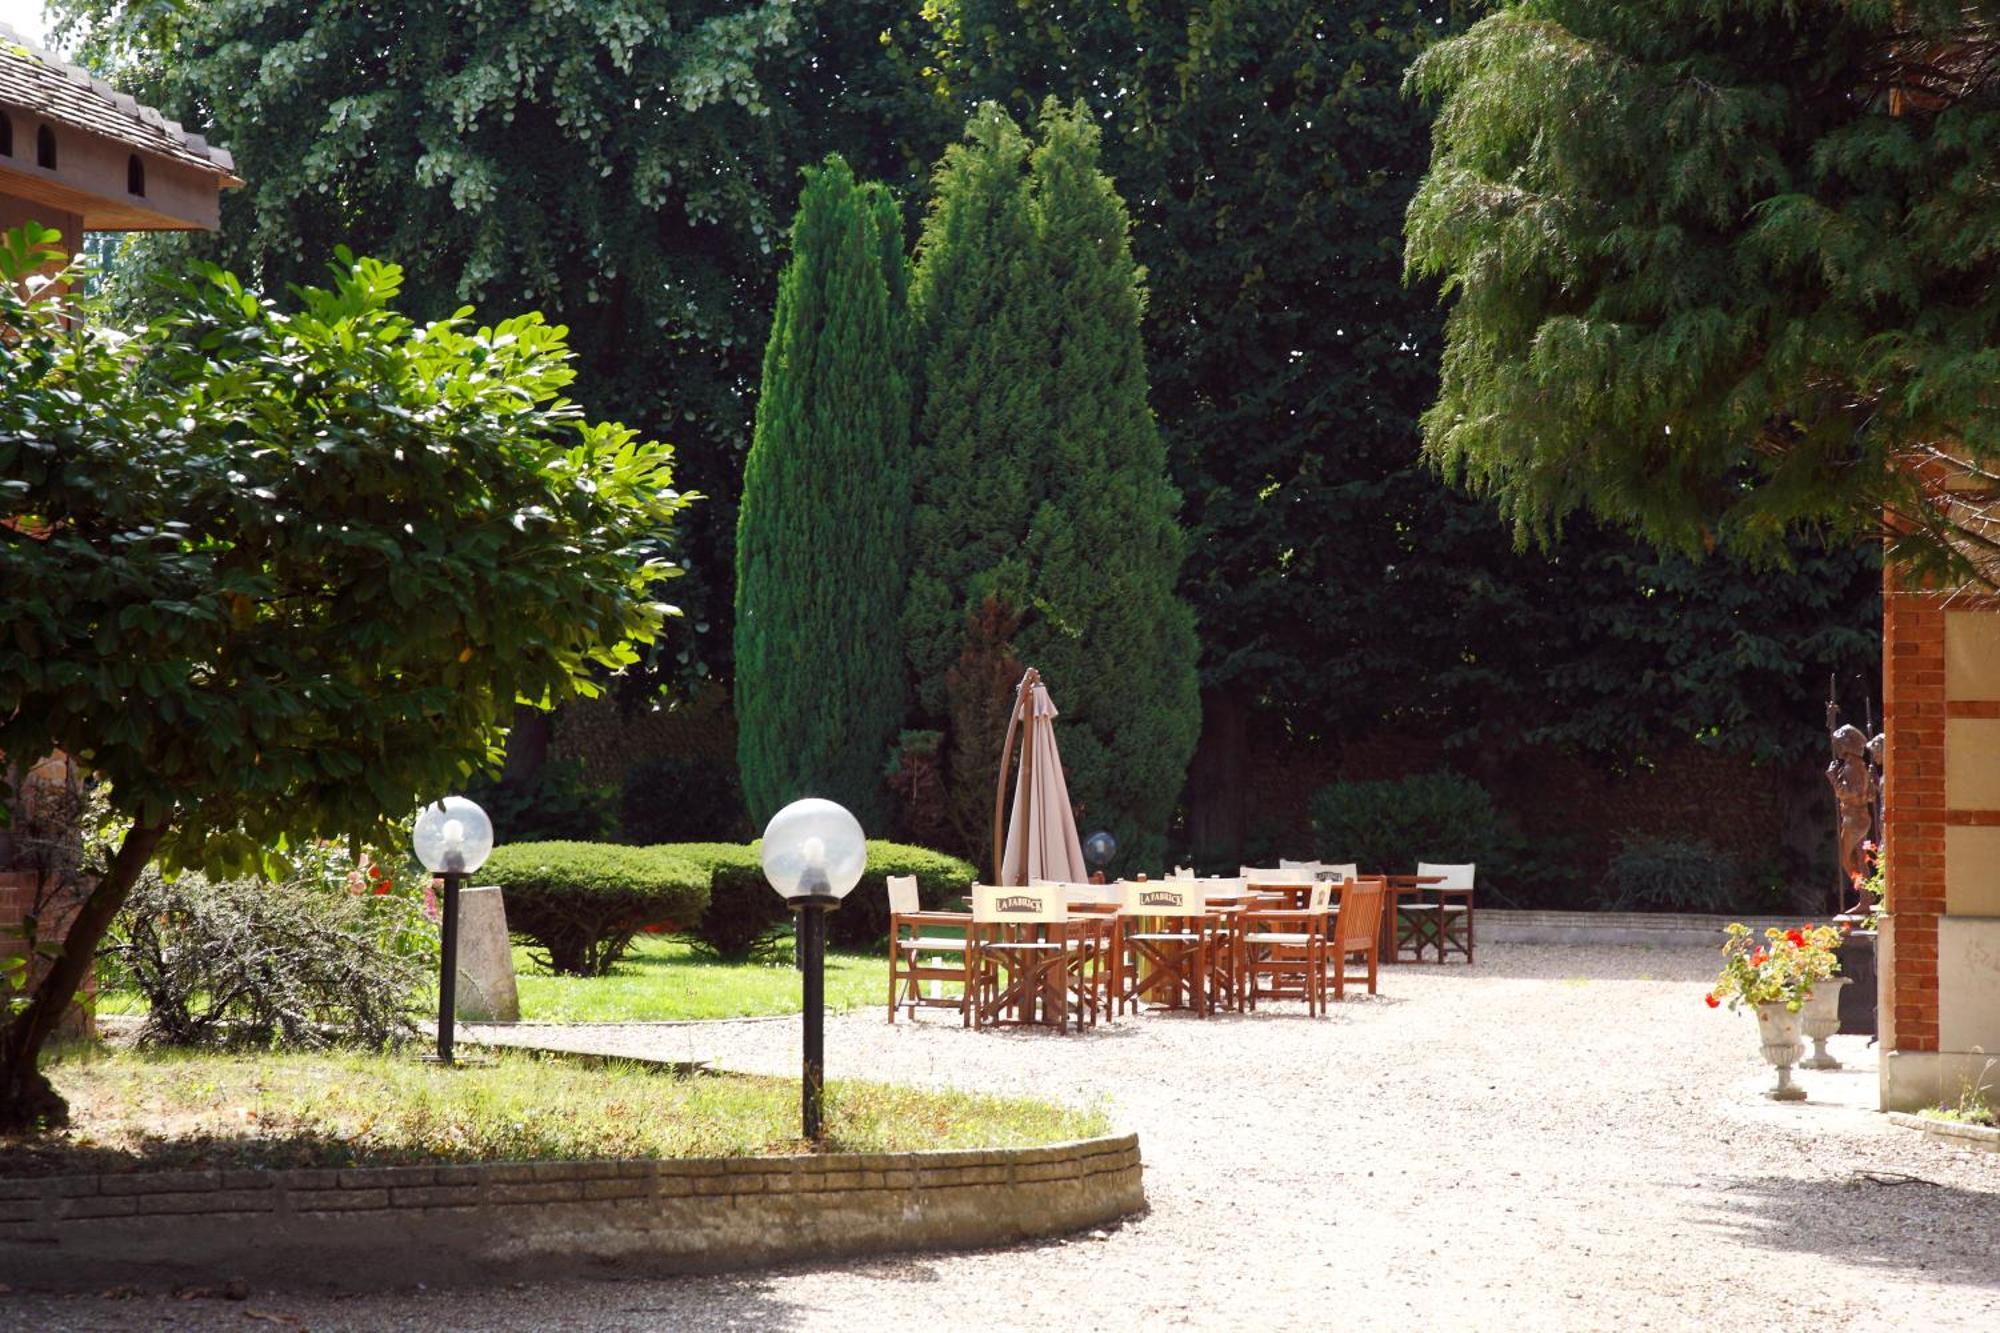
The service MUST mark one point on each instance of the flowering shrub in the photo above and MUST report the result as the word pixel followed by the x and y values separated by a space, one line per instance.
pixel 1873 886
pixel 1782 970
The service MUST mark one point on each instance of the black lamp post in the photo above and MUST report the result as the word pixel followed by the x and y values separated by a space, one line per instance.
pixel 814 853
pixel 453 838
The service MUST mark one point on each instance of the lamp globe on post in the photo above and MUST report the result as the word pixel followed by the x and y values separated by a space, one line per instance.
pixel 814 853
pixel 452 839
pixel 1098 849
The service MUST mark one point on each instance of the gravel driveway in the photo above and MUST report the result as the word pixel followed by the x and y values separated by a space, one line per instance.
pixel 1556 1138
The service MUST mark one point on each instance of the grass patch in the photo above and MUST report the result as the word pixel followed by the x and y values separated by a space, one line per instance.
pixel 662 977
pixel 152 1110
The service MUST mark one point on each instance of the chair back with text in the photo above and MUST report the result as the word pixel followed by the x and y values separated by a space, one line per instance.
pixel 1163 897
pixel 1034 905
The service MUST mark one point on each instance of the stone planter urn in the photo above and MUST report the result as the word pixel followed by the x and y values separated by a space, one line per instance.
pixel 1778 1031
pixel 1821 1019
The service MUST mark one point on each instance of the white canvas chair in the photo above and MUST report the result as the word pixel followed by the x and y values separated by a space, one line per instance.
pixel 1028 958
pixel 1347 870
pixel 1165 941
pixel 1454 907
pixel 1283 864
pixel 919 958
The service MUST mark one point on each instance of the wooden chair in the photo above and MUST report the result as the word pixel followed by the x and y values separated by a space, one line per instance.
pixel 1287 946
pixel 1225 943
pixel 1454 907
pixel 1031 962
pixel 1356 931
pixel 1166 938
pixel 917 958
pixel 1346 870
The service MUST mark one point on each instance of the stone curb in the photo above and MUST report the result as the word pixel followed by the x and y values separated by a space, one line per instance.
pixel 1984 1137
pixel 379 1227
pixel 1655 929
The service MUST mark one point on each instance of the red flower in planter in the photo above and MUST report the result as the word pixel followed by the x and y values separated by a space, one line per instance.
pixel 1759 958
pixel 1797 938
pixel 1712 1001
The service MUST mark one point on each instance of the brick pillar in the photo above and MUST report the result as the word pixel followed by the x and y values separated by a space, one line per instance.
pixel 1913 714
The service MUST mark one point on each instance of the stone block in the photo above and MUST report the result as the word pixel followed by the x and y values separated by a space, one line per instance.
pixel 486 992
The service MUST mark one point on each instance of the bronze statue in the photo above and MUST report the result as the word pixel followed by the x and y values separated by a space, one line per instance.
pixel 1855 776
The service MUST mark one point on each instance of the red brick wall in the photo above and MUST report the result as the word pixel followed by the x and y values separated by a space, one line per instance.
pixel 1914 815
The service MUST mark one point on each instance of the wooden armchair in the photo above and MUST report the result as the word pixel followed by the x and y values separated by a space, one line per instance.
pixel 1286 948
pixel 917 957
pixel 1356 932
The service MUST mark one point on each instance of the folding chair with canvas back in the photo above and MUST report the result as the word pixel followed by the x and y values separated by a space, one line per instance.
pixel 1029 959
pixel 1356 931
pixel 1099 903
pixel 918 958
pixel 1225 942
pixel 1287 946
pixel 1454 907
pixel 1167 933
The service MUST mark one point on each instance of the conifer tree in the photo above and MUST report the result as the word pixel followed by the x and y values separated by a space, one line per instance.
pixel 1042 502
pixel 821 540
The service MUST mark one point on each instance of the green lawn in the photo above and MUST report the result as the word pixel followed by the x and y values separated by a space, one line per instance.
pixel 165 1109
pixel 663 978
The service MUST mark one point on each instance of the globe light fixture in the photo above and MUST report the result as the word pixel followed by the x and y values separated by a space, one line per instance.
pixel 814 853
pixel 453 838
pixel 1099 848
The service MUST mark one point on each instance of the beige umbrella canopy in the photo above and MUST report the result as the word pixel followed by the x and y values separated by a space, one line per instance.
pixel 1041 837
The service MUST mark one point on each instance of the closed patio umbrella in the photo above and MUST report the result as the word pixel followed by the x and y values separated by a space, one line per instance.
pixel 1041 836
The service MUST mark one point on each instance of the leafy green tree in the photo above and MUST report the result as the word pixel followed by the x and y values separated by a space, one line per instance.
pixel 624 166
pixel 822 541
pixel 1269 157
pixel 1720 270
pixel 277 575
pixel 1042 499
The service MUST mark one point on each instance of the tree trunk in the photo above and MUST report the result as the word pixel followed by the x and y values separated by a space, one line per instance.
pixel 527 746
pixel 28 1101
pixel 1215 780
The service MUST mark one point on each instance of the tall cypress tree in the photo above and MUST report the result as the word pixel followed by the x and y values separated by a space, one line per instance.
pixel 1045 527
pixel 821 553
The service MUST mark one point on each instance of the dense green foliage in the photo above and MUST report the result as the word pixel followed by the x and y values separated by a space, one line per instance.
pixel 582 902
pixel 1721 270
pixel 744 911
pixel 1674 875
pixel 624 166
pixel 335 954
pixel 285 573
pixel 559 803
pixel 822 540
pixel 1269 157
pixel 677 799
pixel 1040 475
pixel 1392 825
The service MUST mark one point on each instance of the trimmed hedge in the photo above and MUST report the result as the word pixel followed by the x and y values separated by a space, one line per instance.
pixel 582 902
pixel 863 920
pixel 743 910
pixel 742 907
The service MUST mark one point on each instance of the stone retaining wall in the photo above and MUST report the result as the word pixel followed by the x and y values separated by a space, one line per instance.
pixel 1660 929
pixel 387 1226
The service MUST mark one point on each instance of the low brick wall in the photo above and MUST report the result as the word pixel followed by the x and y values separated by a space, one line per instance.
pixel 387 1226
pixel 1656 929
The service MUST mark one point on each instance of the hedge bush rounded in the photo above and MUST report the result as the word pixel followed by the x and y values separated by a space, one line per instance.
pixel 582 902
pixel 743 909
